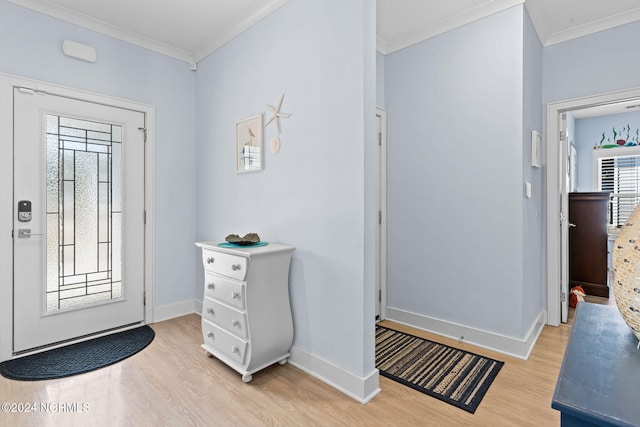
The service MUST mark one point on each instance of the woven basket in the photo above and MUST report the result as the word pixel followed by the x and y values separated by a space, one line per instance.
pixel 626 268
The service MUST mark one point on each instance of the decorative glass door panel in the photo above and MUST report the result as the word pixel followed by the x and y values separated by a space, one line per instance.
pixel 83 212
pixel 79 258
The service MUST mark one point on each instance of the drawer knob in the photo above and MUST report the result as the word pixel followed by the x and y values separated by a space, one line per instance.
pixel 235 267
pixel 210 335
pixel 210 260
pixel 210 311
pixel 211 285
pixel 235 323
pixel 235 349
pixel 235 295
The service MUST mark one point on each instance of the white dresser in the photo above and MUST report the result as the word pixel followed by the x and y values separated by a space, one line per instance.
pixel 246 315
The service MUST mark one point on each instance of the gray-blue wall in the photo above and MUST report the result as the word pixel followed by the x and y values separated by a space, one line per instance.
pixel 455 175
pixel 534 276
pixel 315 192
pixel 590 65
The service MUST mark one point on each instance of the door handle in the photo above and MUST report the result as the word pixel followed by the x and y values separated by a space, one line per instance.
pixel 572 225
pixel 26 232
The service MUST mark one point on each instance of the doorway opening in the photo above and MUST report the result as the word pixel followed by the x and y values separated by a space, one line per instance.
pixel 557 157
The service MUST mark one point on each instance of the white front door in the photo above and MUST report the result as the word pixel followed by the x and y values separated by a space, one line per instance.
pixel 78 243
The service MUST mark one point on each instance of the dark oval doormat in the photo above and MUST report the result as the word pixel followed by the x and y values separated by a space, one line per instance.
pixel 78 358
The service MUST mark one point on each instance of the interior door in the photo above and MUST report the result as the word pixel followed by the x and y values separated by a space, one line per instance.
pixel 381 254
pixel 78 218
pixel 564 220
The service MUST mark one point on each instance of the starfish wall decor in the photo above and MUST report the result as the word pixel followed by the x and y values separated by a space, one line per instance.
pixel 277 115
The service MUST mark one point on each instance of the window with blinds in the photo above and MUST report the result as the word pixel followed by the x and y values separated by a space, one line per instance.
pixel 620 175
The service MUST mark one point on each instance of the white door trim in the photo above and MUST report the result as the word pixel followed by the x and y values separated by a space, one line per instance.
pixel 7 83
pixel 381 250
pixel 554 110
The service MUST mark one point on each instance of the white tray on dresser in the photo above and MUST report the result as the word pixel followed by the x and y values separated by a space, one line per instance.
pixel 246 314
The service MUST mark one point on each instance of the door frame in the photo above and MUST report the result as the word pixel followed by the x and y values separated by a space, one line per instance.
pixel 7 84
pixel 381 229
pixel 563 158
pixel 554 110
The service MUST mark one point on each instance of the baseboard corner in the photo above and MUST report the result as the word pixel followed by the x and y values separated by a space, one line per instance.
pixel 177 309
pixel 361 389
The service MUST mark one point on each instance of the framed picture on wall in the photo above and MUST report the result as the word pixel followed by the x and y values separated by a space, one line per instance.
pixel 249 145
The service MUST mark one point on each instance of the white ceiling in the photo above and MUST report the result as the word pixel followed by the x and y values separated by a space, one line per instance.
pixel 191 29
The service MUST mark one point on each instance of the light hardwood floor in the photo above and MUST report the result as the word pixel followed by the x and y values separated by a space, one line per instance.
pixel 173 383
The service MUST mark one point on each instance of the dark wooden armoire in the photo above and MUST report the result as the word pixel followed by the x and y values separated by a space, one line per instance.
pixel 588 249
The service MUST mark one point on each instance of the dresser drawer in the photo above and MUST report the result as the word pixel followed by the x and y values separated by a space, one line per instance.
pixel 222 315
pixel 224 290
pixel 226 264
pixel 225 342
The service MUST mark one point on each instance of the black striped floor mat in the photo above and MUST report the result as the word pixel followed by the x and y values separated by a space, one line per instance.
pixel 454 376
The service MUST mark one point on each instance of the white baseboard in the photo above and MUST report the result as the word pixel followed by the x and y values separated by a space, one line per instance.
pixel 534 332
pixel 360 389
pixel 170 311
pixel 520 348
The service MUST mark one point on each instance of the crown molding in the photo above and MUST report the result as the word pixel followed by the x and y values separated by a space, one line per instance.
pixel 382 45
pixel 223 37
pixel 593 27
pixel 217 41
pixel 104 28
pixel 463 18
